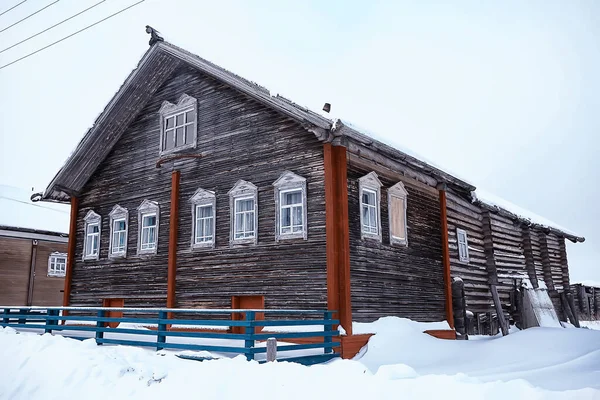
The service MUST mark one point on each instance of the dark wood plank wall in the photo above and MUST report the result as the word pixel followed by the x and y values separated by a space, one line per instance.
pixel 15 263
pixel 47 290
pixel 555 260
pixel 395 280
pixel 465 215
pixel 239 139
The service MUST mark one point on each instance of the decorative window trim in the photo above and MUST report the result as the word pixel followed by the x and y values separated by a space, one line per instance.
pixel 91 218
pixel 370 182
pixel 463 258
pixel 147 208
pixel 398 191
pixel 242 189
pixel 56 255
pixel 167 110
pixel 118 213
pixel 288 181
pixel 202 198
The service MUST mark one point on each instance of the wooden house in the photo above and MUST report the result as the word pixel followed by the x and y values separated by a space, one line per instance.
pixel 33 247
pixel 197 188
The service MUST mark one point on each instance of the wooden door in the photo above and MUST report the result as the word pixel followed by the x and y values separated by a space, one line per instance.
pixel 247 302
pixel 117 303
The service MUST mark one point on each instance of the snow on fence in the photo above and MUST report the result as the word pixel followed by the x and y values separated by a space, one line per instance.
pixel 225 332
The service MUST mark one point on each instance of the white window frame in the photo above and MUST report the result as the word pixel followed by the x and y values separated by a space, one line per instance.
pixel 91 219
pixel 148 208
pixel 167 110
pixel 203 198
pixel 371 183
pixel 290 182
pixel 52 263
pixel 118 213
pixel 242 190
pixel 398 191
pixel 463 256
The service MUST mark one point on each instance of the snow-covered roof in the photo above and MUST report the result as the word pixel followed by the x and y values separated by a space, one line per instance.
pixel 17 211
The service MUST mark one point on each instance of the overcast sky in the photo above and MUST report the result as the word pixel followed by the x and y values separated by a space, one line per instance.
pixel 503 94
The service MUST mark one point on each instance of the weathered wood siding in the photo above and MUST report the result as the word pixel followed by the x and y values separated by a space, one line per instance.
pixel 555 261
pixel 238 139
pixel 15 263
pixel 47 290
pixel 396 280
pixel 465 215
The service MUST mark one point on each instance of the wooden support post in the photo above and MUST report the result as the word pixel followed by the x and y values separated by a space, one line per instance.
pixel 249 331
pixel 446 256
pixel 501 320
pixel 34 244
pixel 271 349
pixel 337 234
pixel 571 305
pixel 173 226
pixel 99 326
pixel 70 254
pixel 161 329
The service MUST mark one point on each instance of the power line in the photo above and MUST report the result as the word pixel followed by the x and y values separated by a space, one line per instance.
pixel 30 15
pixel 15 6
pixel 53 26
pixel 72 34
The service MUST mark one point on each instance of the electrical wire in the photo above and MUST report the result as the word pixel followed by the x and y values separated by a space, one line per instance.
pixel 53 26
pixel 30 15
pixel 71 35
pixel 13 7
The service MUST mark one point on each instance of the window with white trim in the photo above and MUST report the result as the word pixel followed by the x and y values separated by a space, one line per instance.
pixel 290 205
pixel 369 187
pixel 463 245
pixel 118 231
pixel 243 199
pixel 57 264
pixel 178 124
pixel 203 217
pixel 397 196
pixel 91 245
pixel 148 213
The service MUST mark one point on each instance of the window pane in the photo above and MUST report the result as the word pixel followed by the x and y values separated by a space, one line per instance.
pixel 208 227
pixel 149 220
pixel 169 139
pixel 179 121
pixel 190 132
pixel 151 235
pixel 169 123
pixel 92 228
pixel 250 223
pixel 297 215
pixel 286 219
pixel 180 137
pixel 245 205
pixel 239 222
pixel 94 244
pixel 145 235
pixel 365 215
pixel 291 198
pixel 203 211
pixel 368 197
pixel 372 217
pixel 190 116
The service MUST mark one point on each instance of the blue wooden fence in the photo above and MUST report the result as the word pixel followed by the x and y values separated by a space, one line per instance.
pixel 153 327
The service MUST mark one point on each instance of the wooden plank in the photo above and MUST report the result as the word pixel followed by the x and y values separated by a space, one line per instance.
pixel 71 245
pixel 173 227
pixel 331 229
pixel 446 258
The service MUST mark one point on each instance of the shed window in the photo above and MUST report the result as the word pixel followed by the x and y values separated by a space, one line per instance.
pixel 397 200
pixel 91 245
pixel 148 224
pixel 369 188
pixel 178 124
pixel 204 224
pixel 118 231
pixel 463 245
pixel 243 202
pixel 244 218
pixel 290 206
pixel 57 264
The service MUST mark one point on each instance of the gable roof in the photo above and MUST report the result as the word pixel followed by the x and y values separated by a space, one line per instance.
pixel 160 61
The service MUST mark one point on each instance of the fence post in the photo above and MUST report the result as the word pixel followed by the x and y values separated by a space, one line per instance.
pixel 99 327
pixel 271 349
pixel 249 330
pixel 328 329
pixel 49 321
pixel 162 327
pixel 22 320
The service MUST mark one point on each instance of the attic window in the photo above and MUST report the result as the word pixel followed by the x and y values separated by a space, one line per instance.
pixel 91 246
pixel 203 218
pixel 148 213
pixel 463 245
pixel 369 187
pixel 290 206
pixel 178 125
pixel 243 199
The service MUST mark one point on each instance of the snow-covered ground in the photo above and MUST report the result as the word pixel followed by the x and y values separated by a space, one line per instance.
pixel 400 362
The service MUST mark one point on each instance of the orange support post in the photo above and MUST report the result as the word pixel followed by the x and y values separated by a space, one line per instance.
pixel 446 257
pixel 173 226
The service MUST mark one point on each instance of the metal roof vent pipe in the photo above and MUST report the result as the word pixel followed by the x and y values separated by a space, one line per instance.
pixel 327 107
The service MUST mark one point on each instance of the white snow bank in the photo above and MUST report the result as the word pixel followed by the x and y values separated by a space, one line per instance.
pixel 18 211
pixel 556 359
pixel 496 201
pixel 595 325
pixel 595 284
pixel 387 324
pixel 52 367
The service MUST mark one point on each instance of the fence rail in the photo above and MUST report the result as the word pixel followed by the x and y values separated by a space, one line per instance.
pixel 227 331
